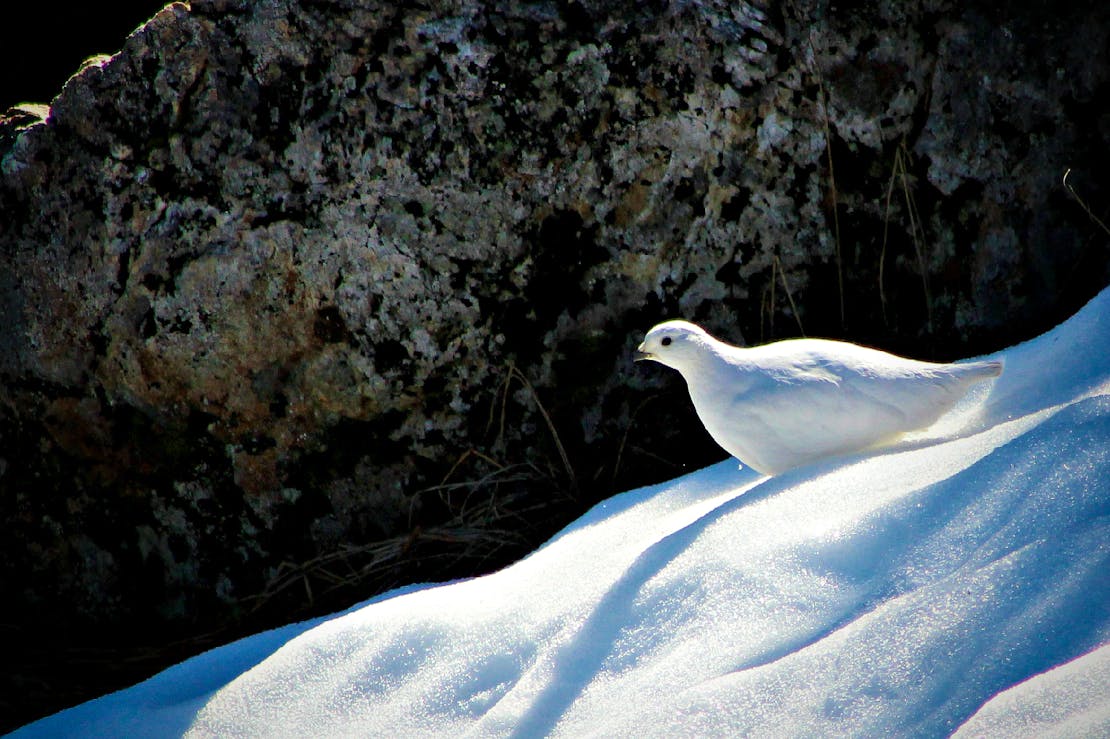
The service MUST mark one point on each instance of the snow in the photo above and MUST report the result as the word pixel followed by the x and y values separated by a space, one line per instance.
pixel 1067 702
pixel 960 581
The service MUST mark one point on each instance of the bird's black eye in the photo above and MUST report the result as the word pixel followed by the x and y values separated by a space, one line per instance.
pixel 666 341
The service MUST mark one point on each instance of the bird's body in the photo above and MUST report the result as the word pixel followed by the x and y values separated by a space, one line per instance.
pixel 782 405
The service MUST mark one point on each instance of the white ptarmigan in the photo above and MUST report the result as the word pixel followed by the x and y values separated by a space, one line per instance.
pixel 786 404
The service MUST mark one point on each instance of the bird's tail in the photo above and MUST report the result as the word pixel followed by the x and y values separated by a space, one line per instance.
pixel 983 370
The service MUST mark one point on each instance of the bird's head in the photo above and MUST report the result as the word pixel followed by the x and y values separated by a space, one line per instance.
pixel 677 344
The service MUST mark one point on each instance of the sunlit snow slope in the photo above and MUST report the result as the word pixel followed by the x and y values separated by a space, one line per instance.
pixel 893 594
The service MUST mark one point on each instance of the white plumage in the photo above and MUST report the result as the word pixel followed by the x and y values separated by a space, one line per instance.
pixel 786 404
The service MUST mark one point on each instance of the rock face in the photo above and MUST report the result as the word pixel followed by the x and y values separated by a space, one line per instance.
pixel 300 296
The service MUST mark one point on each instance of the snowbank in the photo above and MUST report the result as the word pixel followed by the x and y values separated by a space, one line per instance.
pixel 890 594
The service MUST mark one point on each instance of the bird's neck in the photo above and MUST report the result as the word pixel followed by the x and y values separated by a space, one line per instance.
pixel 717 360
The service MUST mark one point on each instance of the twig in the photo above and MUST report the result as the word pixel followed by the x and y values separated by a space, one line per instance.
pixel 550 426
pixel 624 436
pixel 900 172
pixel 832 175
pixel 789 297
pixel 916 227
pixel 1083 203
pixel 886 228
pixel 832 170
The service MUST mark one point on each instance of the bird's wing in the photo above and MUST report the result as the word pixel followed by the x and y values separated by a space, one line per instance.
pixel 815 414
pixel 819 417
